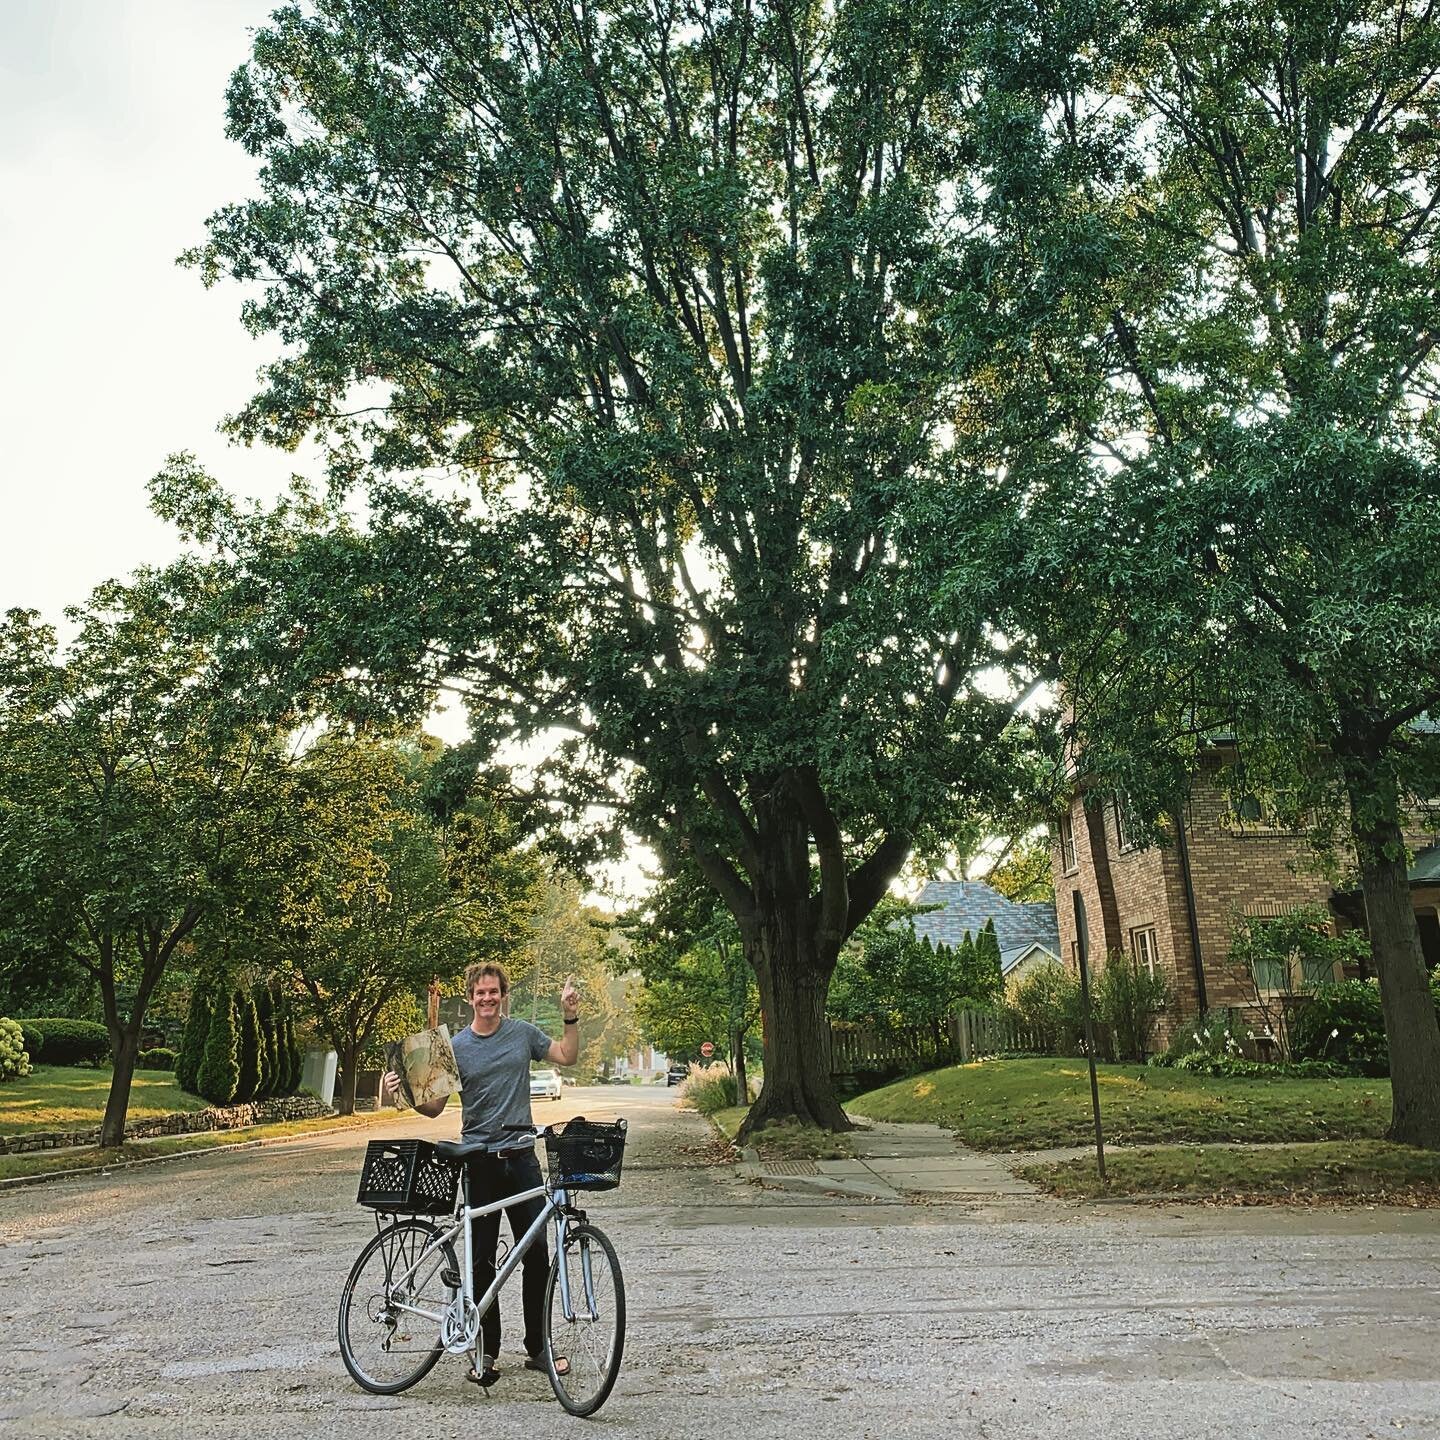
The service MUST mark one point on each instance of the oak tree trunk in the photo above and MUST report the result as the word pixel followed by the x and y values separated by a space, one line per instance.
pixel 794 982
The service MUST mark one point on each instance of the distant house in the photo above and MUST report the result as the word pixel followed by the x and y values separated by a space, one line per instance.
pixel 1029 934
pixel 1173 906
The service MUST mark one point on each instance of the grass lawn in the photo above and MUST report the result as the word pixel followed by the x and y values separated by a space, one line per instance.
pixel 72 1097
pixel 1034 1104
pixel 1372 1170
pixel 47 1162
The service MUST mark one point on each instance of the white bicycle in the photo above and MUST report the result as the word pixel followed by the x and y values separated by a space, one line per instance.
pixel 409 1299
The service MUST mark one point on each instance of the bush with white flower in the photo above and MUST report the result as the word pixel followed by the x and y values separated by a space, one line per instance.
pixel 14 1059
pixel 1343 1023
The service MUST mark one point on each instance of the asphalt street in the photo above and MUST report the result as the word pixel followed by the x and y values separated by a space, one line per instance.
pixel 197 1299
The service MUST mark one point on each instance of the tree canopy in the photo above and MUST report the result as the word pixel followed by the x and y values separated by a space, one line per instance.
pixel 1222 223
pixel 137 799
pixel 638 324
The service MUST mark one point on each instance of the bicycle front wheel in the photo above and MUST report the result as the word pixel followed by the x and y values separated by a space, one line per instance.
pixel 592 1336
pixel 386 1345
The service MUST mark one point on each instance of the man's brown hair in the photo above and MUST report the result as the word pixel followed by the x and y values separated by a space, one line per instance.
pixel 486 967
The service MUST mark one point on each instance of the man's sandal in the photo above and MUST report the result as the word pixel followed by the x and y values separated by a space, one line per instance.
pixel 537 1362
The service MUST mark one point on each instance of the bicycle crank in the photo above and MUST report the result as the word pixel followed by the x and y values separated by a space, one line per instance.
pixel 460 1325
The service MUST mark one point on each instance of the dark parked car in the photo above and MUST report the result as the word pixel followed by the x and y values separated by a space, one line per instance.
pixel 676 1074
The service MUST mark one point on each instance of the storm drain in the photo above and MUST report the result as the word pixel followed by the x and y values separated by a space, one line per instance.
pixel 790 1167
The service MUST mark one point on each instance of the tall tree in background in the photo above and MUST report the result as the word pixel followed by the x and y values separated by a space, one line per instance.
pixel 662 296
pixel 1238 204
pixel 381 900
pixel 566 937
pixel 137 799
pixel 698 986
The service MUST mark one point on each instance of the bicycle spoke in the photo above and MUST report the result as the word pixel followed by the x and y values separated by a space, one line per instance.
pixel 590 1340
pixel 386 1346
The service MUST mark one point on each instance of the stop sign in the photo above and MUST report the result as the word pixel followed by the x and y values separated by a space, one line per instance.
pixel 707 1049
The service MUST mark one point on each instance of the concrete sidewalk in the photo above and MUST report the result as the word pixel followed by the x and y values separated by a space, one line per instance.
pixel 894 1163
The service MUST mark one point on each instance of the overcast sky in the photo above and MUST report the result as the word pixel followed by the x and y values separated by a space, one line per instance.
pixel 112 153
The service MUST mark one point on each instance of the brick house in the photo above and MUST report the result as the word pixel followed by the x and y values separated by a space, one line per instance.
pixel 1173 906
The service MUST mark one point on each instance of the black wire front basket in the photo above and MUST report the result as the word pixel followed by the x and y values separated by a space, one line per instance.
pixel 586 1154
pixel 407 1177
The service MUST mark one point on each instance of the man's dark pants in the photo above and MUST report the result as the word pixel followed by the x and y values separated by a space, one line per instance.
pixel 493 1177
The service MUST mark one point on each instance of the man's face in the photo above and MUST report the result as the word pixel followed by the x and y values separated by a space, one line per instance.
pixel 485 998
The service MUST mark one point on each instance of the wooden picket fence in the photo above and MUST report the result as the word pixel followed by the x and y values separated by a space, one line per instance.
pixel 966 1035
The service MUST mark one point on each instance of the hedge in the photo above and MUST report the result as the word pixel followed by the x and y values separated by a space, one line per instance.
pixel 160 1058
pixel 66 1042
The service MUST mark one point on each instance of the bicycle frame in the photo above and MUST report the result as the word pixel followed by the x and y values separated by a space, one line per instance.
pixel 556 1206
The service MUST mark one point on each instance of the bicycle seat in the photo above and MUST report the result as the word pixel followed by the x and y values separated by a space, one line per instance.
pixel 459 1149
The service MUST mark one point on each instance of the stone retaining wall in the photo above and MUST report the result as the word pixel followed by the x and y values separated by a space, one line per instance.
pixel 220 1117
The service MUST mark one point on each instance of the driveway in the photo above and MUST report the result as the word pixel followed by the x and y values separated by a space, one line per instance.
pixel 197 1299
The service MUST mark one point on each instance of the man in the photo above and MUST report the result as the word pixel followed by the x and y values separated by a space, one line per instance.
pixel 493 1054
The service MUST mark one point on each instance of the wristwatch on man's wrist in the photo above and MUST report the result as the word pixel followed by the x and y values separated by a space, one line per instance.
pixel 572 1019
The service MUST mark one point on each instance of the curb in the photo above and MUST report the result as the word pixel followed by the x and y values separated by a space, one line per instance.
pixel 81 1172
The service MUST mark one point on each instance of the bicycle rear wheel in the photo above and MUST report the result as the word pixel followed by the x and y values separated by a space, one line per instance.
pixel 592 1337
pixel 386 1347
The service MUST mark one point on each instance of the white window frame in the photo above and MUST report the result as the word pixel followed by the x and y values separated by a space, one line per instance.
pixel 1144 947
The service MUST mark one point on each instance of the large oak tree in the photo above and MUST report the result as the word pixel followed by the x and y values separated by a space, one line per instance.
pixel 636 321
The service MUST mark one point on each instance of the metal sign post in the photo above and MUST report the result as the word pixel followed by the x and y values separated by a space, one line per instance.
pixel 1082 948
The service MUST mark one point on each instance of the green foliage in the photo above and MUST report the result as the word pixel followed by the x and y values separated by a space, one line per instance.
pixel 1024 874
pixel 708 1088
pixel 890 976
pixel 688 331
pixel 384 898
pixel 1047 1003
pixel 1242 401
pixel 1127 998
pixel 270 1076
pixel 1219 1034
pixel 1294 951
pixel 160 1058
pixel 219 1072
pixel 192 1042
pixel 140 795
pixel 33 1036
pixel 249 1054
pixel 698 985
pixel 69 1042
pixel 14 1058
pixel 1201 1062
pixel 290 1048
pixel 1343 1023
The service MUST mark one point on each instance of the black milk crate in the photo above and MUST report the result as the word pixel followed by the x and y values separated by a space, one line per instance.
pixel 408 1177
pixel 586 1154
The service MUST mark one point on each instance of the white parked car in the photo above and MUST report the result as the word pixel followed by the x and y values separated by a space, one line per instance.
pixel 544 1084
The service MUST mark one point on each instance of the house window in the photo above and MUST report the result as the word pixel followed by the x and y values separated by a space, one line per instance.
pixel 1068 859
pixel 1272 976
pixel 1142 947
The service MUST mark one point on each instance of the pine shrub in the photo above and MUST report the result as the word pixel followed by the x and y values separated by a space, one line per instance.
pixel 219 1072
pixel 192 1042
pixel 247 1031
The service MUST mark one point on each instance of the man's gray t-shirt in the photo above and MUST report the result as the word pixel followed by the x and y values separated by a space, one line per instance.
pixel 495 1079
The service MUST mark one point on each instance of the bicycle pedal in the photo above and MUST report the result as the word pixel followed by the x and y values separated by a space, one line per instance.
pixel 450 1278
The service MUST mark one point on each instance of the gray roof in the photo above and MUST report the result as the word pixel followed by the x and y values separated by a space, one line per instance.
pixel 968 904
pixel 1009 959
